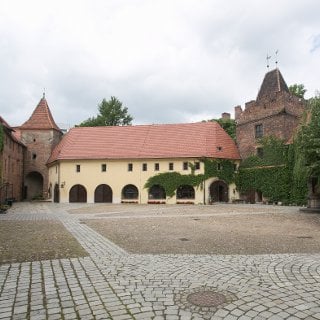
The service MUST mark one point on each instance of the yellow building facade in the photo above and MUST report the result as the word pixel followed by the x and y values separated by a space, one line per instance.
pixel 112 165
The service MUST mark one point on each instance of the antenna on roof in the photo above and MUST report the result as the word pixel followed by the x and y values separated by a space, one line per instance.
pixel 268 58
pixel 277 58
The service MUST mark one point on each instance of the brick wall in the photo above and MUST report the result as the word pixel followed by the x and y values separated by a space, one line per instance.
pixel 279 114
pixel 11 161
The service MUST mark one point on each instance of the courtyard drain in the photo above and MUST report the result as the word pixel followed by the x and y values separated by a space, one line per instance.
pixel 204 300
pixel 184 239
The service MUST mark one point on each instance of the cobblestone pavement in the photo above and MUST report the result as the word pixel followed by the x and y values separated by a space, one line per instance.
pixel 112 284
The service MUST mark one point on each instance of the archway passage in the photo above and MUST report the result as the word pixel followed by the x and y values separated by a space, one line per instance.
pixel 130 192
pixel 33 186
pixel 78 193
pixel 219 191
pixel 56 193
pixel 185 192
pixel 103 193
pixel 157 192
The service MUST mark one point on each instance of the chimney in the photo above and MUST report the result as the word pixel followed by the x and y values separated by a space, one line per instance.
pixel 237 112
pixel 225 116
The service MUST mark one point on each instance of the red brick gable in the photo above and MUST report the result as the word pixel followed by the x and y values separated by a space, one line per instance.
pixel 41 118
pixel 194 140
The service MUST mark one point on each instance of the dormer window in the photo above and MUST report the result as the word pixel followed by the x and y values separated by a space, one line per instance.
pixel 219 148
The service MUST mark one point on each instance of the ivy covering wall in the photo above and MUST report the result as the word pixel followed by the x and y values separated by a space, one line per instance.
pixel 279 174
pixel 170 181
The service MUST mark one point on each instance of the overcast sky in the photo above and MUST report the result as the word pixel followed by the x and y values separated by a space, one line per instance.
pixel 168 61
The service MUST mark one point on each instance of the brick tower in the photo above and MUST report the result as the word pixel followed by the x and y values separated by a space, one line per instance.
pixel 276 112
pixel 40 134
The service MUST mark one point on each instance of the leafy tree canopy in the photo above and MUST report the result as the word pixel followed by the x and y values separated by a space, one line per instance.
pixel 298 90
pixel 229 125
pixel 309 138
pixel 111 113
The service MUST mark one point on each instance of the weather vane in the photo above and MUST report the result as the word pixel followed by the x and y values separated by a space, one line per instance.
pixel 268 58
pixel 277 58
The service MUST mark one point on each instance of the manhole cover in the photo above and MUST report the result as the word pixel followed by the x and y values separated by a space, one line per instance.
pixel 184 239
pixel 206 299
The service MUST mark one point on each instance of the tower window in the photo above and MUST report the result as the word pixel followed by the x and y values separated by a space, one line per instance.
pixel 259 131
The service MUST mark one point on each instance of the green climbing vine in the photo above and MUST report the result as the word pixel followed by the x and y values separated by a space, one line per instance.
pixel 279 174
pixel 170 181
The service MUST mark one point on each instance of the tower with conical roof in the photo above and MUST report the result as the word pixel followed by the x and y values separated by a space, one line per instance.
pixel 275 112
pixel 40 134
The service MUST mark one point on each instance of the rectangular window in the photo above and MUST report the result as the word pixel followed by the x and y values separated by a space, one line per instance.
pixel 219 166
pixel 78 168
pixel 103 167
pixel 197 165
pixel 156 167
pixel 130 166
pixel 170 166
pixel 144 167
pixel 185 166
pixel 259 131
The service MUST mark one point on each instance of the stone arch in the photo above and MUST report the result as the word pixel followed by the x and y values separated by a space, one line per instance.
pixel 130 192
pixel 33 186
pixel 219 191
pixel 103 193
pixel 185 192
pixel 78 193
pixel 157 192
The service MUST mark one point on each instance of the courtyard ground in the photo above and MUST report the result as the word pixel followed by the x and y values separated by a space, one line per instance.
pixel 159 262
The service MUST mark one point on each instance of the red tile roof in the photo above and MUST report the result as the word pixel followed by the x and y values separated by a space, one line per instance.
pixel 190 140
pixel 41 118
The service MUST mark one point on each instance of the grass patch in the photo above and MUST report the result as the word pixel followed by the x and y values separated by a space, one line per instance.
pixel 22 241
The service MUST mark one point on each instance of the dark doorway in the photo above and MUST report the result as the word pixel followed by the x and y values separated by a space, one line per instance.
pixel 33 186
pixel 130 192
pixel 56 193
pixel 78 193
pixel 157 192
pixel 103 193
pixel 219 191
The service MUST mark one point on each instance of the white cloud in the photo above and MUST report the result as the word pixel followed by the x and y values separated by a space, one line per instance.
pixel 166 60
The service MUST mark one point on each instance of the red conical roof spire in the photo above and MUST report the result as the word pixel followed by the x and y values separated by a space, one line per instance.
pixel 41 117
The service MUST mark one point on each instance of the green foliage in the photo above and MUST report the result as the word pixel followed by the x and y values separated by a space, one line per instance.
pixel 229 125
pixel 309 139
pixel 170 181
pixel 298 90
pixel 111 113
pixel 279 175
pixel 1 137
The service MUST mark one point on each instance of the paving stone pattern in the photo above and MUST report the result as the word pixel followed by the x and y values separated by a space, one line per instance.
pixel 112 284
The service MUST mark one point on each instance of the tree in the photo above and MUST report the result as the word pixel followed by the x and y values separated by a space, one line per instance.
pixel 309 138
pixel 111 113
pixel 229 125
pixel 298 90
